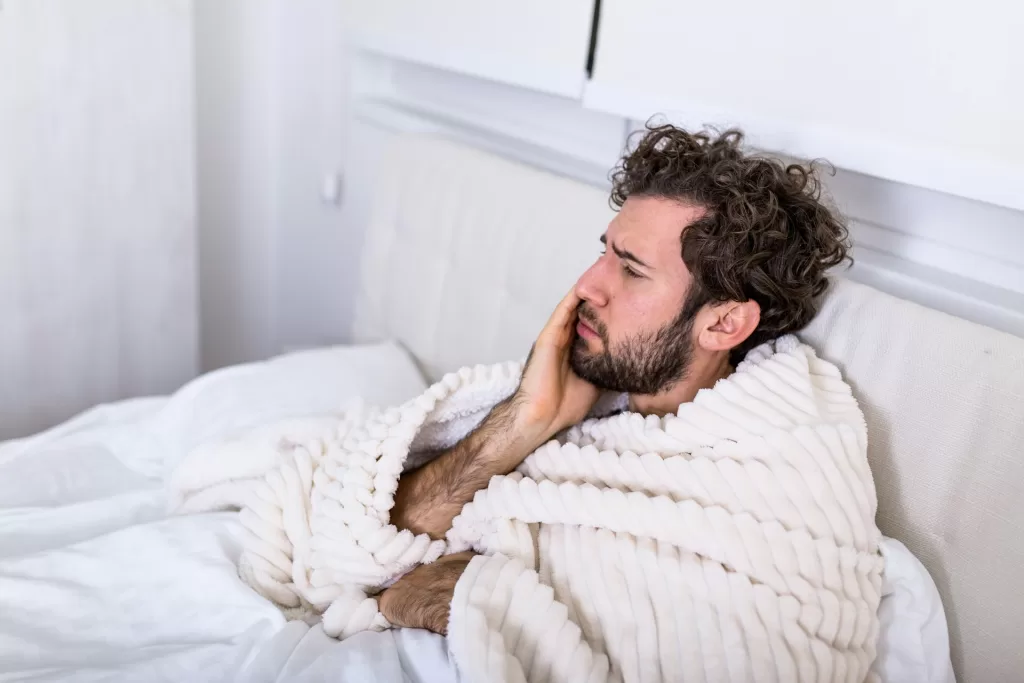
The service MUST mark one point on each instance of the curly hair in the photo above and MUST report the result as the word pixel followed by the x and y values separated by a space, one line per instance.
pixel 768 234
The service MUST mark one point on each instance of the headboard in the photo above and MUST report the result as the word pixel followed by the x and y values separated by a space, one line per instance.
pixel 467 253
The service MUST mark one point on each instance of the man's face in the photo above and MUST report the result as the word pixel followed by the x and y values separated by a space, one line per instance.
pixel 634 335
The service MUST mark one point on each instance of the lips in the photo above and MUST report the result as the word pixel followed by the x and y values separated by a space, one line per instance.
pixel 586 331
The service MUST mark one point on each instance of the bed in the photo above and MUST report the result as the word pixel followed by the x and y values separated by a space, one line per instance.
pixel 464 258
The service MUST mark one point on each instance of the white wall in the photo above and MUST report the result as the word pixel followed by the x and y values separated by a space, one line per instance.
pixel 271 112
pixel 313 117
pixel 97 234
pixel 535 44
pixel 236 194
pixel 922 92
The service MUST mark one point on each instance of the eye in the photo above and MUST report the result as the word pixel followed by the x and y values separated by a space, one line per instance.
pixel 630 272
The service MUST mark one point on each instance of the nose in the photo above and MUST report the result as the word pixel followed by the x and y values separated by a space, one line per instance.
pixel 591 287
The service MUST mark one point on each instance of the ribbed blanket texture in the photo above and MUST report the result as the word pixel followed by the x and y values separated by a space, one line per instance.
pixel 732 541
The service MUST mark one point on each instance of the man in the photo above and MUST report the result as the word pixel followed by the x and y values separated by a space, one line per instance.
pixel 713 251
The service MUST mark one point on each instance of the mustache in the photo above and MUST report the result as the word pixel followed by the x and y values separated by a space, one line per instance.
pixel 584 313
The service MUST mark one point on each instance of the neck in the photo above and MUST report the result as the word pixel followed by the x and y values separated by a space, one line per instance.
pixel 702 374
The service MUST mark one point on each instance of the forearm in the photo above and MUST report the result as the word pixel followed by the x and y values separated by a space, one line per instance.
pixel 428 499
pixel 550 398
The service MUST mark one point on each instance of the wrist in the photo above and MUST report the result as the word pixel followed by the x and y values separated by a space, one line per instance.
pixel 525 428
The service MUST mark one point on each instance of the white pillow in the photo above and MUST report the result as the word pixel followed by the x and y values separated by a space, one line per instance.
pixel 913 641
pixel 301 384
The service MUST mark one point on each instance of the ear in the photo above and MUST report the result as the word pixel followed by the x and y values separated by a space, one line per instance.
pixel 727 325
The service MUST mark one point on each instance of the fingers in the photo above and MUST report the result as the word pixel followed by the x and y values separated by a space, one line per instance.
pixel 559 328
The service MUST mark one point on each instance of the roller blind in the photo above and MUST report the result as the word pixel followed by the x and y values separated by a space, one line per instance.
pixel 537 44
pixel 929 92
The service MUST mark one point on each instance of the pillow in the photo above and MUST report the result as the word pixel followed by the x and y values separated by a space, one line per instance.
pixel 913 641
pixel 301 384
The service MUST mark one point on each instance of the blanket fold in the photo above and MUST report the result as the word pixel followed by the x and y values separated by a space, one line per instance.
pixel 732 541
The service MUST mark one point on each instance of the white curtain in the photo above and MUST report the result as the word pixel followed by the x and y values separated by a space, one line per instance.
pixel 97 228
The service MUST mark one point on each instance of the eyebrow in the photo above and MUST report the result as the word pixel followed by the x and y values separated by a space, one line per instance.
pixel 623 254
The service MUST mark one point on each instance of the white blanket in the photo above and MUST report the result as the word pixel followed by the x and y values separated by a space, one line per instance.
pixel 98 585
pixel 739 544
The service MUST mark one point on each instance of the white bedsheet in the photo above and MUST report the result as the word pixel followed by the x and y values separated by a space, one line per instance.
pixel 155 599
pixel 98 584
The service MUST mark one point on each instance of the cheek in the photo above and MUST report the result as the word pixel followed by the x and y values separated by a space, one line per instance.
pixel 633 314
pixel 640 312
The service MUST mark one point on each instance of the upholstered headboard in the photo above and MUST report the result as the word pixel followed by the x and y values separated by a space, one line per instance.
pixel 467 253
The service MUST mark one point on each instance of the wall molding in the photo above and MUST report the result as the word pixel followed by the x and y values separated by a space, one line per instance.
pixel 400 117
pixel 543 130
pixel 956 295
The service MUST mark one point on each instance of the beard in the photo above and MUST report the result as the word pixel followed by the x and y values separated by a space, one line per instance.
pixel 642 364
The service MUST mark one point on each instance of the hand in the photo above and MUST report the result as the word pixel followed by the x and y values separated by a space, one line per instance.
pixel 551 396
pixel 422 598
